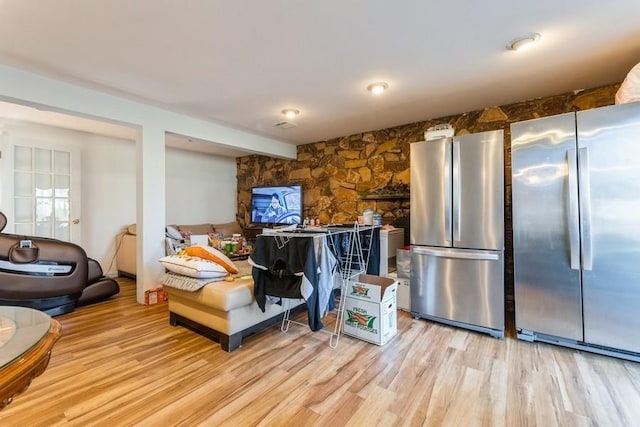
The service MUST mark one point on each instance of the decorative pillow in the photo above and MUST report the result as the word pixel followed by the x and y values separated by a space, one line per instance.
pixel 212 254
pixel 193 266
pixel 173 232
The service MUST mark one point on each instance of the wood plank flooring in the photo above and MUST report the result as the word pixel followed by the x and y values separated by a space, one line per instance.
pixel 121 364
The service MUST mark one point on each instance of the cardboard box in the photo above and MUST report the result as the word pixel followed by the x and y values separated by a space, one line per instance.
pixel 372 288
pixel 154 296
pixel 372 322
pixel 370 309
pixel 439 131
pixel 199 239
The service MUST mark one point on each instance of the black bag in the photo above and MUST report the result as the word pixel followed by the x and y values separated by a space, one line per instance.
pixel 23 252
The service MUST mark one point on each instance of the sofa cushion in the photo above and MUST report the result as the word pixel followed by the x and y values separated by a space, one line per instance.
pixel 193 266
pixel 196 229
pixel 223 295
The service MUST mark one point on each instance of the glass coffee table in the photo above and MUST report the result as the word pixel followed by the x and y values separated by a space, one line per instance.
pixel 26 339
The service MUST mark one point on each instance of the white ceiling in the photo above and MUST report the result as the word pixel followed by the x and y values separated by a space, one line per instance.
pixel 241 62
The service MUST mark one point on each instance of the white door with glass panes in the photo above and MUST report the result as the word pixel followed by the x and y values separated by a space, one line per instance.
pixel 41 189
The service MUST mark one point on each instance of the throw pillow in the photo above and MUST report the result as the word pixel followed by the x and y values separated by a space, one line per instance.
pixel 193 266
pixel 173 232
pixel 212 254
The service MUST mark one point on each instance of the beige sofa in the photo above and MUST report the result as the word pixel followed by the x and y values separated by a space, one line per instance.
pixel 126 242
pixel 224 311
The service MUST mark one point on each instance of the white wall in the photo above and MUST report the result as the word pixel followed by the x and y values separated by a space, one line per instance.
pixel 199 187
pixel 151 123
pixel 108 194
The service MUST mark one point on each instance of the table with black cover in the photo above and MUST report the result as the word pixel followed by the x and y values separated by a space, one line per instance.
pixel 285 264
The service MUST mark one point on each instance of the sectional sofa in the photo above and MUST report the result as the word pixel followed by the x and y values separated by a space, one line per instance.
pixel 225 311
pixel 126 241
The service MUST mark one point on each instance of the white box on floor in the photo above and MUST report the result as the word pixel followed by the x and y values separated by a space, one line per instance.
pixel 403 294
pixel 370 309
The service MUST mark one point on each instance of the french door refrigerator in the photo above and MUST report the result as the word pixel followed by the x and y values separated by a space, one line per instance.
pixel 576 229
pixel 457 231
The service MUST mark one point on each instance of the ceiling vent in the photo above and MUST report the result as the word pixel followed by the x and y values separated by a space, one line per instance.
pixel 284 125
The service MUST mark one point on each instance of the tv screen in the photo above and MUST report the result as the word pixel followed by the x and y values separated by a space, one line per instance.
pixel 276 204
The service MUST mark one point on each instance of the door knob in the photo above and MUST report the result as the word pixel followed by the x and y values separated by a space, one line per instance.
pixel 76 221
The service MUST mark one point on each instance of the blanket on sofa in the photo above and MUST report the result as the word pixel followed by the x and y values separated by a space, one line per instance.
pixel 192 284
pixel 186 283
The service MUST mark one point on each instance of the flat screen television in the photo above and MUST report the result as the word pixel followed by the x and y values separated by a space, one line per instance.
pixel 276 204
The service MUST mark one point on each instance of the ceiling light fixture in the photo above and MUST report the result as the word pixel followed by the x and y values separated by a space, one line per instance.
pixel 524 42
pixel 290 113
pixel 377 88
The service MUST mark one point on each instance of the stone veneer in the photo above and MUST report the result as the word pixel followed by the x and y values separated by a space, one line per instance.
pixel 335 173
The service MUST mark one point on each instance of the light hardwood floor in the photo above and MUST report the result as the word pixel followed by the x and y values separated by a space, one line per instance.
pixel 119 363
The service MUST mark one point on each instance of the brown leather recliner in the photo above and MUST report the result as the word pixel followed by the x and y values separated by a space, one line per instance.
pixel 48 274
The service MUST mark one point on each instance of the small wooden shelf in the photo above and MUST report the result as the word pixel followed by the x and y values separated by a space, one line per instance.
pixel 384 197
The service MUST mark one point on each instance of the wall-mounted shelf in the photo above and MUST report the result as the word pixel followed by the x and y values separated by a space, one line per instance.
pixel 385 197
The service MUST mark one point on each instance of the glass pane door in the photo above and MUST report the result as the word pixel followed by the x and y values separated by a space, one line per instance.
pixel 43 189
pixel 41 192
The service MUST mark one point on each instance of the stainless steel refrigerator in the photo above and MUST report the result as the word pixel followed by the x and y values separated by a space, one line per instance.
pixel 576 229
pixel 457 231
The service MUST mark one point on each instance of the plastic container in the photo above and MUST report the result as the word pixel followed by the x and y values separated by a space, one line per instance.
pixel 237 238
pixel 368 216
pixel 228 247
pixel 377 219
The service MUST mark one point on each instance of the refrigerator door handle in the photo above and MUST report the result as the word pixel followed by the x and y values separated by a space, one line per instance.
pixel 585 207
pixel 448 253
pixel 574 231
pixel 457 191
pixel 447 204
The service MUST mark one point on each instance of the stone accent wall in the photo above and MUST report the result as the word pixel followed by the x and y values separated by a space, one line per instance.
pixel 335 174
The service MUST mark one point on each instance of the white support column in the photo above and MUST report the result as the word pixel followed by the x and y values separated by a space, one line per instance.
pixel 150 218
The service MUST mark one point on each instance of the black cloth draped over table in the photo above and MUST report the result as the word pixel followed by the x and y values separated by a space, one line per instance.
pixel 287 267
pixel 282 268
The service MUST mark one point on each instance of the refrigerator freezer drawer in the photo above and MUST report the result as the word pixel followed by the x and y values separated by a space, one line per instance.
pixel 459 285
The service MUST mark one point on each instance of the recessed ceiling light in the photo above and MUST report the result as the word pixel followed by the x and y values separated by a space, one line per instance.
pixel 524 42
pixel 377 88
pixel 290 113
